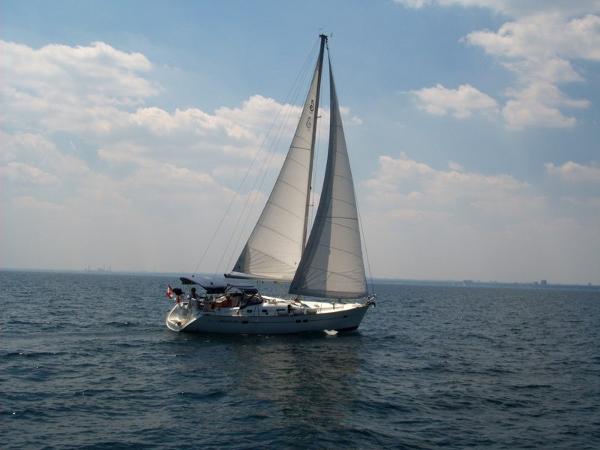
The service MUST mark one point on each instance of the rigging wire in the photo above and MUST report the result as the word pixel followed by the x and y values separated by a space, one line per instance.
pixel 360 221
pixel 364 239
pixel 323 157
pixel 248 171
pixel 316 156
pixel 313 210
pixel 248 207
pixel 266 152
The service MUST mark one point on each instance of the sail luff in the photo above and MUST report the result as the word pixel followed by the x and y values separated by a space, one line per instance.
pixel 332 263
pixel 323 38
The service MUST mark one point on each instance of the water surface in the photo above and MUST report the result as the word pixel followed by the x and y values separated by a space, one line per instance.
pixel 86 361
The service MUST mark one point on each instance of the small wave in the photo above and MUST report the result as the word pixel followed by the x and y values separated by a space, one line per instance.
pixel 117 324
pixel 12 354
pixel 23 322
pixel 27 414
pixel 210 395
pixel 110 445
pixel 32 354
pixel 506 402
pixel 494 371
pixel 387 337
pixel 127 344
pixel 530 386
pixel 478 336
pixel 252 417
pixel 380 406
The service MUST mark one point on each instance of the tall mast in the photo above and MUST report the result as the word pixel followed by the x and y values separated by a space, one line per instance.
pixel 314 134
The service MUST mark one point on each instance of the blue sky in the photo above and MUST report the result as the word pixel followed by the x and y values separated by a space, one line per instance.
pixel 473 128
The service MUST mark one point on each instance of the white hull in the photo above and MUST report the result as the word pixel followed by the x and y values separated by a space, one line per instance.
pixel 340 317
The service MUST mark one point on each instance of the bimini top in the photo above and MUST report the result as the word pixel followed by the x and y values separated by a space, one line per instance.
pixel 219 288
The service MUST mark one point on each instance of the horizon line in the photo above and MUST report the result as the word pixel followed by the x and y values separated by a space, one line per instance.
pixel 460 282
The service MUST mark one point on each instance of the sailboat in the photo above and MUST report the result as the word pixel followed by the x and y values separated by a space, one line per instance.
pixel 327 266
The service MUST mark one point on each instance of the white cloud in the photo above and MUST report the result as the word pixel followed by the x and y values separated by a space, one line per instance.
pixel 98 70
pixel 461 102
pixel 348 118
pixel 37 150
pixel 414 186
pixel 454 224
pixel 539 104
pixel 574 172
pixel 549 70
pixel 92 172
pixel 539 47
pixel 73 89
pixel 514 8
pixel 455 166
pixel 415 4
pixel 16 172
pixel 543 36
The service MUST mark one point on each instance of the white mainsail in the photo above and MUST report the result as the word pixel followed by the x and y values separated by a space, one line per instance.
pixel 332 263
pixel 275 246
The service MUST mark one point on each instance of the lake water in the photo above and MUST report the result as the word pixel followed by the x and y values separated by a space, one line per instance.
pixel 86 361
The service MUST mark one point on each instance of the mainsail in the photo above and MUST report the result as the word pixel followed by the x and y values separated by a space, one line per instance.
pixel 332 263
pixel 274 248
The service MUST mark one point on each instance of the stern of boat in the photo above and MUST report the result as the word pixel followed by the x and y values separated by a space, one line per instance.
pixel 180 316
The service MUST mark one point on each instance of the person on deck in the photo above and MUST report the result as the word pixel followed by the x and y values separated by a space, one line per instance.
pixel 194 298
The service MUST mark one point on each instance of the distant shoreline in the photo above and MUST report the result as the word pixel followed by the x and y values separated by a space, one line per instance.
pixel 491 284
pixel 389 281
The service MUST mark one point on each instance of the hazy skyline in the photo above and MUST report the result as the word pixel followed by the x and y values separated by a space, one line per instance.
pixel 473 128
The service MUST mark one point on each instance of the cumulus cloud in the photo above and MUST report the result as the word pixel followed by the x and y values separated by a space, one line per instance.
pixel 539 49
pixel 414 186
pixel 452 223
pixel 73 89
pixel 93 172
pixel 16 172
pixel 539 46
pixel 539 104
pixel 542 36
pixel 573 172
pixel 461 102
pixel 97 70
pixel 513 7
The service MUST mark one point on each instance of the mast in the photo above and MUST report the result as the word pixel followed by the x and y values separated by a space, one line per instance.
pixel 314 135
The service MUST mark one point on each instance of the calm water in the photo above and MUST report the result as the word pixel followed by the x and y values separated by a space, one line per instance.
pixel 86 361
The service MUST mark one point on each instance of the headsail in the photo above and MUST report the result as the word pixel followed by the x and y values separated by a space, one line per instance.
pixel 275 246
pixel 332 264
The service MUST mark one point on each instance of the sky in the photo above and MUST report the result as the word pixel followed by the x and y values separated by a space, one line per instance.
pixel 145 136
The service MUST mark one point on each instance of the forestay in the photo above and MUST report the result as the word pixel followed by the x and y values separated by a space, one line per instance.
pixel 332 264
